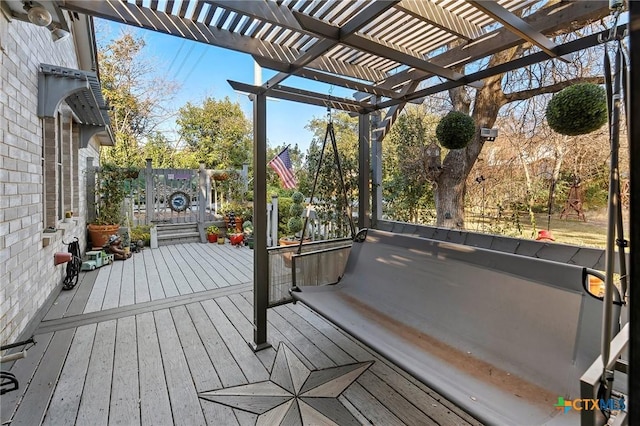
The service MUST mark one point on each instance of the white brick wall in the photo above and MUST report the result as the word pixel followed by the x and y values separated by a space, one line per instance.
pixel 27 273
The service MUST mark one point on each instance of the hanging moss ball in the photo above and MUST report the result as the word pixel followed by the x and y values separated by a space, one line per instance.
pixel 578 109
pixel 455 130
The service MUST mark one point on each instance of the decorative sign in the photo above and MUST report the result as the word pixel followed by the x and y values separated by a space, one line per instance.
pixel 179 201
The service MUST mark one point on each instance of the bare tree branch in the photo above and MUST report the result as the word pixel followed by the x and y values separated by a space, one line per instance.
pixel 553 88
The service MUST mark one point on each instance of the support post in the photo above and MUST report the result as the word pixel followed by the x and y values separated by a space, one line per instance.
pixel 202 196
pixel 364 171
pixel 149 196
pixel 274 220
pixel 91 191
pixel 260 255
pixel 376 165
pixel 634 219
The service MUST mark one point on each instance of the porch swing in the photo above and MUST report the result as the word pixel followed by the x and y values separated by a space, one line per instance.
pixel 507 338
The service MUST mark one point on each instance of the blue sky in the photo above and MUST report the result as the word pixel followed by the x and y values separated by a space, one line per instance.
pixel 203 70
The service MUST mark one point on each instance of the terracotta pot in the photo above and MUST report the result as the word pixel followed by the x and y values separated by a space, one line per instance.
pixel 238 223
pixel 212 238
pixel 99 234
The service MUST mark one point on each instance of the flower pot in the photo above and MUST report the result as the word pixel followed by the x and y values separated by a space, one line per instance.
pixel 220 240
pixel 236 239
pixel 99 234
pixel 238 223
pixel 212 238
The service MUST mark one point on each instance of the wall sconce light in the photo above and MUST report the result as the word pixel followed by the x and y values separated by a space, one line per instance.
pixel 488 135
pixel 58 34
pixel 37 14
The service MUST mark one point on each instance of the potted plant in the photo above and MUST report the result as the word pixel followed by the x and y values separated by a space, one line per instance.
pixel 295 222
pixel 110 193
pixel 247 229
pixel 233 217
pixel 67 216
pixel 212 233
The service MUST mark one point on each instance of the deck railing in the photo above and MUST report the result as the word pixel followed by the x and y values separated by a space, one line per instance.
pixel 326 259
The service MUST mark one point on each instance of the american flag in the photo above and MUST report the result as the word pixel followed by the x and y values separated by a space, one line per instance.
pixel 281 163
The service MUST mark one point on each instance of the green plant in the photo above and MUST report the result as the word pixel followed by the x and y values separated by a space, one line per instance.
pixel 578 109
pixel 213 229
pixel 295 223
pixel 110 193
pixel 455 130
pixel 141 232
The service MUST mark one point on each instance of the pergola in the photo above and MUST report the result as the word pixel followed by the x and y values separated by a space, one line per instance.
pixel 389 52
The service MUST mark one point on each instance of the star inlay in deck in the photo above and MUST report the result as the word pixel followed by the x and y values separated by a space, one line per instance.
pixel 294 395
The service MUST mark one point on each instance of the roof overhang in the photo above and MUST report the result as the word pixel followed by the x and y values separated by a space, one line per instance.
pixel 81 92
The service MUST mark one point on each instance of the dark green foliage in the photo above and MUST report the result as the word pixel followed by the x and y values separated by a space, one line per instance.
pixel 295 224
pixel 296 209
pixel 455 130
pixel 578 109
pixel 297 197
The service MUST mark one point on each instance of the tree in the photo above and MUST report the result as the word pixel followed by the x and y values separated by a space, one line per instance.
pixel 160 151
pixel 484 107
pixel 407 188
pixel 217 131
pixel 135 95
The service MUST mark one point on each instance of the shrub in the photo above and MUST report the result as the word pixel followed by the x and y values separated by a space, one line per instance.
pixel 578 109
pixel 455 130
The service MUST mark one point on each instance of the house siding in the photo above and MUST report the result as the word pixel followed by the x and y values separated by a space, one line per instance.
pixel 28 276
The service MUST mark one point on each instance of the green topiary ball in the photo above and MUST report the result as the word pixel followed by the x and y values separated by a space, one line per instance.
pixel 297 197
pixel 296 209
pixel 578 109
pixel 455 130
pixel 295 225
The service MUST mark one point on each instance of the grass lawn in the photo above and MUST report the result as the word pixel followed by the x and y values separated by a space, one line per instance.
pixel 592 233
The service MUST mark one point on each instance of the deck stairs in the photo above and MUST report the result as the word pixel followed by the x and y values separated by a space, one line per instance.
pixel 177 233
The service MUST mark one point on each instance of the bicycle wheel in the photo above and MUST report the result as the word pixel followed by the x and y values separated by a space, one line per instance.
pixel 73 270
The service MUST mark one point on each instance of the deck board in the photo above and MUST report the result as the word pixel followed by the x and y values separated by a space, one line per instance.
pixel 65 402
pixel 124 408
pixel 96 395
pixel 155 408
pixel 142 291
pixel 202 371
pixel 156 291
pixel 128 289
pixel 168 285
pixel 24 370
pixel 175 270
pixel 252 368
pixel 150 339
pixel 227 369
pixel 115 285
pixel 185 404
pixel 35 401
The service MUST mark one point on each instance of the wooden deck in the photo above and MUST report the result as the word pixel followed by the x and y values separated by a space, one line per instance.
pixel 145 341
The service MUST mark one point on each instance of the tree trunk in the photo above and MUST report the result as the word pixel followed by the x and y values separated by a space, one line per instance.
pixel 449 198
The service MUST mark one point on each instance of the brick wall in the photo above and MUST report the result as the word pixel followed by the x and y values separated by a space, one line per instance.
pixel 27 273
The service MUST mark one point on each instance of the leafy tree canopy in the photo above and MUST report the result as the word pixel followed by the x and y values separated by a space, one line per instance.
pixel 217 131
